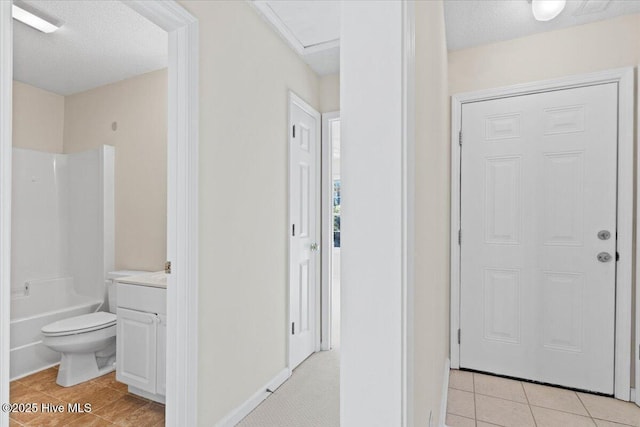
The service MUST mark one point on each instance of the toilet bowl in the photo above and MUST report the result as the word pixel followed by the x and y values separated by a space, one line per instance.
pixel 87 342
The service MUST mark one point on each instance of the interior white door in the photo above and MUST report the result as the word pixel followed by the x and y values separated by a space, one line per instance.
pixel 304 233
pixel 538 236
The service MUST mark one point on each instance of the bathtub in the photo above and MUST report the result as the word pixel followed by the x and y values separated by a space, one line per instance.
pixel 34 306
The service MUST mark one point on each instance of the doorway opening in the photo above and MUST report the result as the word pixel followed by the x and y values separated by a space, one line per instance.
pixel 315 201
pixel 332 201
pixel 182 31
pixel 562 332
pixel 305 262
pixel 314 273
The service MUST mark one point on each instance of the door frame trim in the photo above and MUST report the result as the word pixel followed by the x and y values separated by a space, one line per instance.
pixel 6 113
pixel 326 316
pixel 637 260
pixel 624 77
pixel 297 100
pixel 182 205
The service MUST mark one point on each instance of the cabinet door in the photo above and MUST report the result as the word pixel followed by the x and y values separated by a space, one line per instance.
pixel 162 355
pixel 136 349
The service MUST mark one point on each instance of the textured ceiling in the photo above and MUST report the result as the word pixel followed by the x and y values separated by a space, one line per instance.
pixel 312 24
pixel 324 62
pixel 476 22
pixel 100 42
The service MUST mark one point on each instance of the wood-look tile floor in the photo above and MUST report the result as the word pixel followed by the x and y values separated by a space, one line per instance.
pixel 111 403
pixel 478 400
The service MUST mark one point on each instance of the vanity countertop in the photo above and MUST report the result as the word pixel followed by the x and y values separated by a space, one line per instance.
pixel 156 280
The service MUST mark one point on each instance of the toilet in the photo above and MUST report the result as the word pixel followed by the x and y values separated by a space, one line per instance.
pixel 87 342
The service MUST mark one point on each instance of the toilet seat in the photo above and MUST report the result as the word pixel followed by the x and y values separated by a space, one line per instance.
pixel 80 324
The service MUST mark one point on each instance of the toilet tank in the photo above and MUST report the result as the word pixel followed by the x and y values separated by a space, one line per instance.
pixel 110 280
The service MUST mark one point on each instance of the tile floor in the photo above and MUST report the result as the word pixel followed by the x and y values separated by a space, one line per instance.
pixel 111 404
pixel 478 400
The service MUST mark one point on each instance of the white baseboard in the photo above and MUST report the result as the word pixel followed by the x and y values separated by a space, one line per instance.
pixel 252 403
pixel 445 393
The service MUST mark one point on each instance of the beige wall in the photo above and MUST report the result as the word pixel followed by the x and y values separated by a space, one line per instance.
pixel 46 121
pixel 139 108
pixel 38 118
pixel 246 71
pixel 330 93
pixel 431 298
pixel 582 49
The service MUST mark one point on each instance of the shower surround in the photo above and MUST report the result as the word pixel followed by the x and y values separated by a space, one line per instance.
pixel 62 245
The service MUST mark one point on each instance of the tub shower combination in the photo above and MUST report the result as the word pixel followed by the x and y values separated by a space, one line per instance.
pixel 43 302
pixel 62 246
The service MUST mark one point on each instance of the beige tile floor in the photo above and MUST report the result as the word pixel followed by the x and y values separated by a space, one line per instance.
pixel 112 404
pixel 477 400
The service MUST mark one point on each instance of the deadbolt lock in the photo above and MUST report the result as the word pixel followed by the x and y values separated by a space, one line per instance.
pixel 604 257
pixel 604 235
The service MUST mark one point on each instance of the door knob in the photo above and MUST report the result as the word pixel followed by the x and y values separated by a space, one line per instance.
pixel 604 257
pixel 314 247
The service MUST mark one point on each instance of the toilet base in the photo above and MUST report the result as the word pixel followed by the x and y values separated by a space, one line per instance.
pixel 85 355
pixel 76 368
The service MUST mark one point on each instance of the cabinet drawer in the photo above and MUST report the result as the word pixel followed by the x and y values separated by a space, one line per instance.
pixel 142 298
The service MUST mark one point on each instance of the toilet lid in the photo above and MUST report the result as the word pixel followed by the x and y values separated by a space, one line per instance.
pixel 78 324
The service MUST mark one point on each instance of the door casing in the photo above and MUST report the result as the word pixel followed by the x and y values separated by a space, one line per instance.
pixel 327 229
pixel 624 77
pixel 637 260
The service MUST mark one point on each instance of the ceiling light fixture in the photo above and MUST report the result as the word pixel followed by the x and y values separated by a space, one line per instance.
pixel 546 10
pixel 33 18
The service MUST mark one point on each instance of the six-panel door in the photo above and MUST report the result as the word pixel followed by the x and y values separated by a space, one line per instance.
pixel 538 185
pixel 304 233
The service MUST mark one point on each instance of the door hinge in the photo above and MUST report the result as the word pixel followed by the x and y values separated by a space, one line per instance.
pixel 459 336
pixel 293 328
pixel 617 256
pixel 460 138
pixel 167 267
pixel 293 230
pixel 459 236
pixel 294 131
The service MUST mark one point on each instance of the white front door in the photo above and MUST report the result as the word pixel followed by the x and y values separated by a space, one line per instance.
pixel 538 236
pixel 304 232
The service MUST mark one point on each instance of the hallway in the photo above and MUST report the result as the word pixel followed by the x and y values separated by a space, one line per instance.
pixel 310 398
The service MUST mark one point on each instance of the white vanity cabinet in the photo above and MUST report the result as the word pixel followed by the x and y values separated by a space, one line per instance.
pixel 136 349
pixel 141 339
